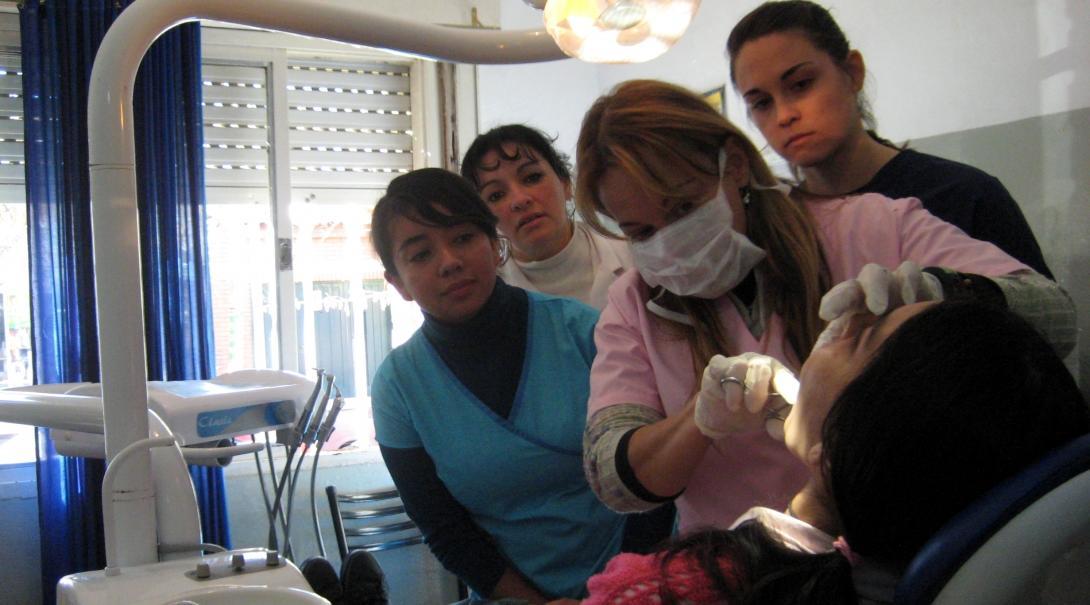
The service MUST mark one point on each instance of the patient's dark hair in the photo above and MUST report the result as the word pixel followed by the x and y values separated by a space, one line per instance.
pixel 762 570
pixel 959 398
pixel 429 196
pixel 525 139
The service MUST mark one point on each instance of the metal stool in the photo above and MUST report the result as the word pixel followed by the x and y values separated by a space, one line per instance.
pixel 370 521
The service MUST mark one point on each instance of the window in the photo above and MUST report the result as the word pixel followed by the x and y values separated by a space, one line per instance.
pixel 301 139
pixel 16 360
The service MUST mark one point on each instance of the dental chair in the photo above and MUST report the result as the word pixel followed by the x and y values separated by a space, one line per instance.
pixel 1026 541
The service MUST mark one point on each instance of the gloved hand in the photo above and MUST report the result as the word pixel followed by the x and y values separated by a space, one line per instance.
pixel 876 290
pixel 739 394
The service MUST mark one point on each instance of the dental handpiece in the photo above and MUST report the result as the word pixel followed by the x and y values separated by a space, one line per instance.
pixel 786 386
pixel 311 432
pixel 327 426
pixel 297 431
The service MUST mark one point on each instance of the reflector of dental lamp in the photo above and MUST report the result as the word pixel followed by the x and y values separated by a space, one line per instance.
pixel 616 31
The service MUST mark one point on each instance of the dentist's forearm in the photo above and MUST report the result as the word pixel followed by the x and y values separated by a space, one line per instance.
pixel 665 454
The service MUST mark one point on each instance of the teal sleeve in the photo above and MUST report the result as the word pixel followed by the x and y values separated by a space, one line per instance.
pixel 581 320
pixel 393 419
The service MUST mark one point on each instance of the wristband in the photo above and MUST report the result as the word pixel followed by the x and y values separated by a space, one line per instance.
pixel 968 286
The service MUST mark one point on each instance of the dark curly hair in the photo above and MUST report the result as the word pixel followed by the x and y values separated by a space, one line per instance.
pixel 523 137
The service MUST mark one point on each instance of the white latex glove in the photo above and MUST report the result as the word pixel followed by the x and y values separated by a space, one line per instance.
pixel 876 290
pixel 739 394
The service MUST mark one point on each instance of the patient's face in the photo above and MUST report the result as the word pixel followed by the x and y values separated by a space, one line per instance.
pixel 829 369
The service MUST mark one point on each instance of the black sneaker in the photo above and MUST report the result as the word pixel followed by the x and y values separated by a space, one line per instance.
pixel 321 576
pixel 362 580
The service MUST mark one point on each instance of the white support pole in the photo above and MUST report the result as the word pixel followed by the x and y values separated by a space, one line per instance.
pixel 115 229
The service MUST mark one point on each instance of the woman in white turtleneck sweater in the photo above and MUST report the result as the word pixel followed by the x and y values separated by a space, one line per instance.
pixel 527 183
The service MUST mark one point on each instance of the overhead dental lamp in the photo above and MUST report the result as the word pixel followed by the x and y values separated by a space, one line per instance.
pixel 616 31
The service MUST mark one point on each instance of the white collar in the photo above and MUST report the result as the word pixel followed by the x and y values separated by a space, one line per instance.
pixel 791 532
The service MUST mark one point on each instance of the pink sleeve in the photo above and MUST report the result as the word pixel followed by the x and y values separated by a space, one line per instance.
pixel 931 242
pixel 622 371
pixel 872 228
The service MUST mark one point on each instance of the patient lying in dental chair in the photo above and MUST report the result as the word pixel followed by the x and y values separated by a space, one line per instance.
pixel 903 421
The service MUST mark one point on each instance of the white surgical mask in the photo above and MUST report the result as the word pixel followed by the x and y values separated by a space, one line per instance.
pixel 699 254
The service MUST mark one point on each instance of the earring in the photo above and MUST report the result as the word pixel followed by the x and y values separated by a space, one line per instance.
pixel 505 250
pixel 747 196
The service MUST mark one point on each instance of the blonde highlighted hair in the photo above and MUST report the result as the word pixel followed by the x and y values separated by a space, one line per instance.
pixel 643 125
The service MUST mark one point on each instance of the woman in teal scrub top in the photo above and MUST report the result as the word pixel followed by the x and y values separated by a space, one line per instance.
pixel 480 414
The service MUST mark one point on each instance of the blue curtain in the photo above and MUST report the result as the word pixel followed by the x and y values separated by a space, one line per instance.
pixel 59 40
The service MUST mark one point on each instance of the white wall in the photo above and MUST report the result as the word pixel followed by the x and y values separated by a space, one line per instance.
pixel 551 96
pixel 981 62
pixel 935 66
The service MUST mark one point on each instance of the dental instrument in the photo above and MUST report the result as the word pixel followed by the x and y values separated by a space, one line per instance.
pixel 293 439
pixel 734 388
pixel 305 441
pixel 323 435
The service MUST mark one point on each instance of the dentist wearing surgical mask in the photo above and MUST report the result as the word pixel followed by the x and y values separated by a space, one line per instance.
pixel 729 266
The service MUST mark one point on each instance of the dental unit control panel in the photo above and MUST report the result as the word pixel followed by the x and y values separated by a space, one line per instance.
pixel 196 411
pixel 237 403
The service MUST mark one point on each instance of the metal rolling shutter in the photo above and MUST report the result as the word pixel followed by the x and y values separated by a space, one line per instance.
pixel 12 164
pixel 350 130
